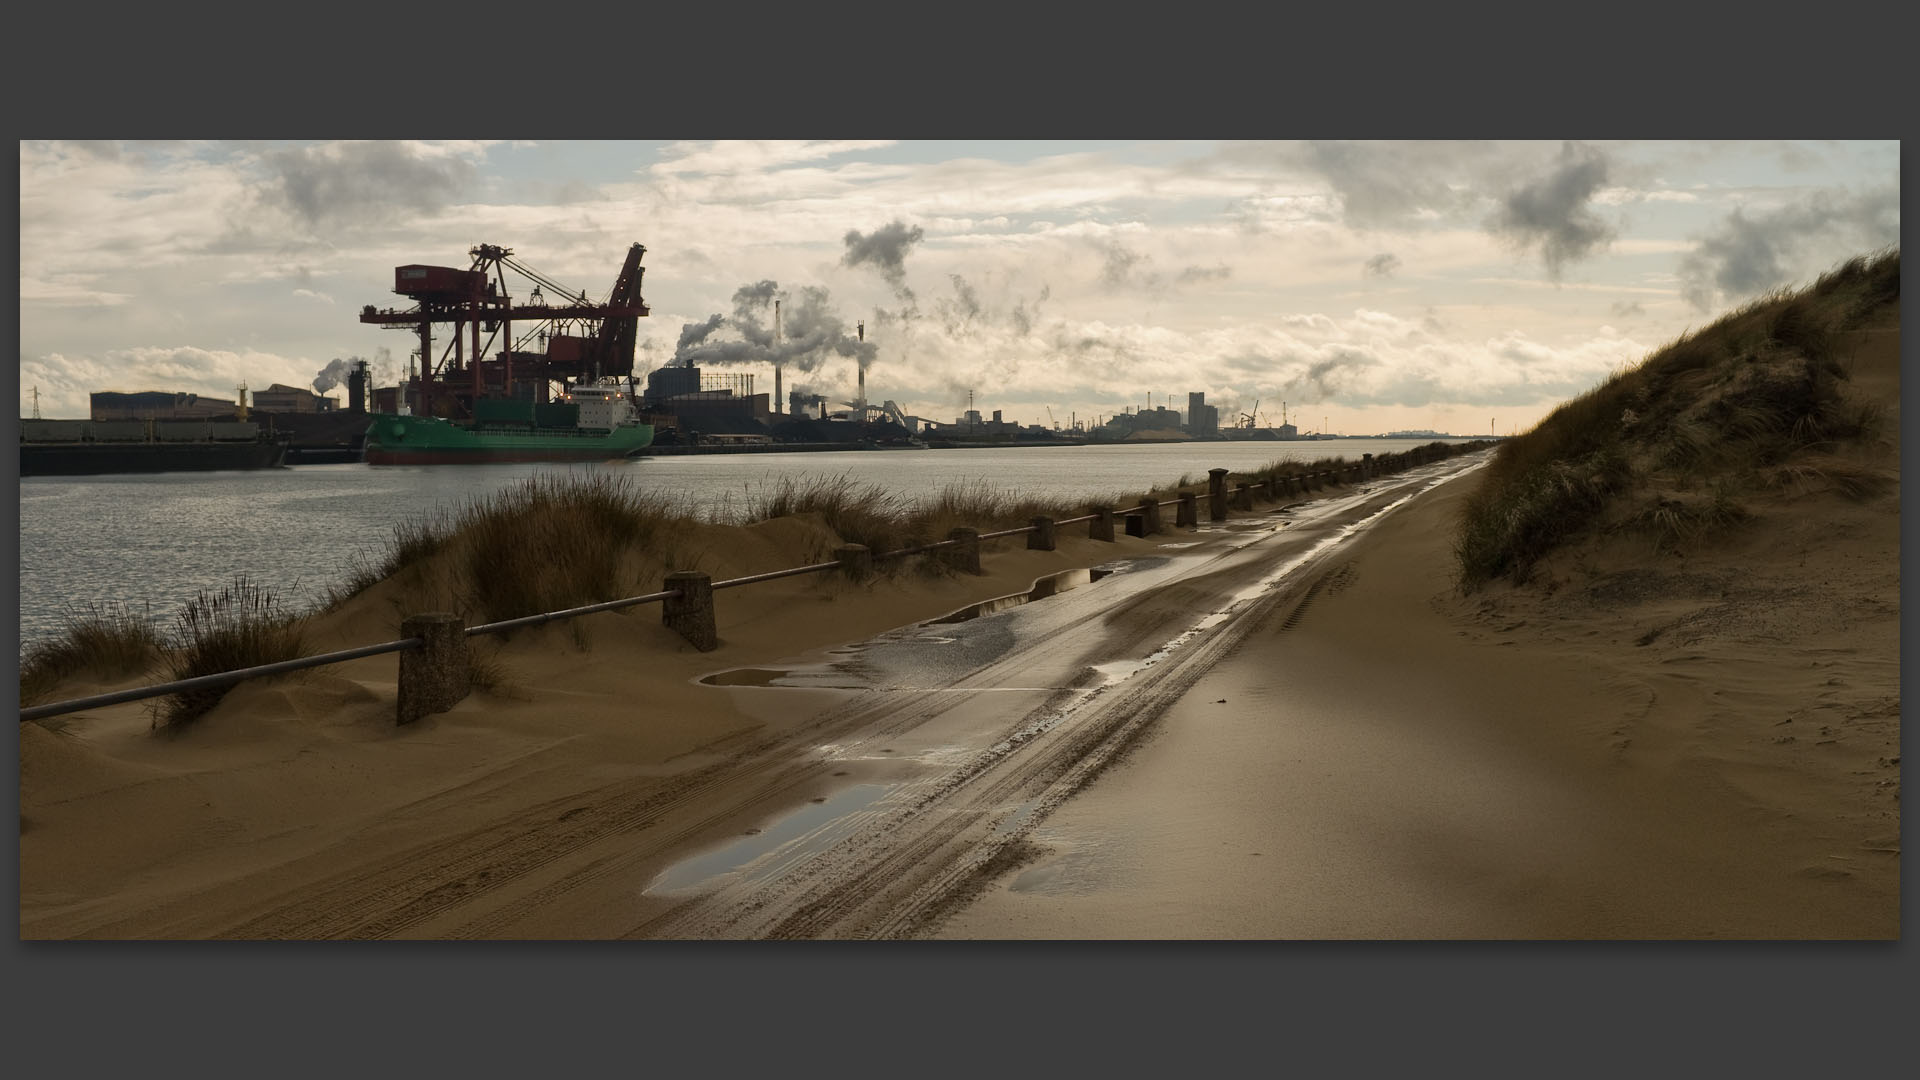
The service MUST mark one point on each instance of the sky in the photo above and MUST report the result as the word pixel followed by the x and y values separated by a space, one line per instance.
pixel 1353 287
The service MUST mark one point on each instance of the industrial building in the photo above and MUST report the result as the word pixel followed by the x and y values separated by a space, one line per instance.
pixel 1202 418
pixel 718 403
pixel 158 405
pixel 280 398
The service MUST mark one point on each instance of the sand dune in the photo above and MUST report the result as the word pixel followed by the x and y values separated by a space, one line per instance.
pixel 1634 746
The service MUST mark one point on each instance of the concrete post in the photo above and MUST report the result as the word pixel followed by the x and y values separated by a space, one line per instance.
pixel 1137 524
pixel 1242 497
pixel 856 561
pixel 690 614
pixel 1101 527
pixel 1151 512
pixel 1217 494
pixel 1041 537
pixel 1187 514
pixel 964 555
pixel 1366 466
pixel 436 676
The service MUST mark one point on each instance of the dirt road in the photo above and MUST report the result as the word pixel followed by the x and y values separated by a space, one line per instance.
pixel 892 777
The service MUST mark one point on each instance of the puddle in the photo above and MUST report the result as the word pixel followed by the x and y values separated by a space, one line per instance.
pixel 1051 585
pixel 792 839
pixel 745 677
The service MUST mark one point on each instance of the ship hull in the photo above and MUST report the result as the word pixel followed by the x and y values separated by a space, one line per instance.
pixel 97 459
pixel 415 440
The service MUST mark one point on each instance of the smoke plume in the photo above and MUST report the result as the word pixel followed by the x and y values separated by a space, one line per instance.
pixel 886 250
pixel 333 374
pixel 811 332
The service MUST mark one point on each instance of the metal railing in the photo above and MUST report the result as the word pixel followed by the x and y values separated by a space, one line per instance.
pixel 698 625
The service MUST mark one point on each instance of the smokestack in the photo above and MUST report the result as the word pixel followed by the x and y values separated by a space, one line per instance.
pixel 862 399
pixel 776 362
pixel 357 387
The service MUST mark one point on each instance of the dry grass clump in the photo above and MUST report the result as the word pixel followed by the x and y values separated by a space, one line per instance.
pixel 860 512
pixel 856 511
pixel 412 544
pixel 556 541
pixel 242 625
pixel 1735 405
pixel 103 641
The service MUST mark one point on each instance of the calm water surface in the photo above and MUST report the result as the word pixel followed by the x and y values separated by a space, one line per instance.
pixel 153 542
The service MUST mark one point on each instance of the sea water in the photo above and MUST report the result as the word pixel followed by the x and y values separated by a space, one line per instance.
pixel 153 542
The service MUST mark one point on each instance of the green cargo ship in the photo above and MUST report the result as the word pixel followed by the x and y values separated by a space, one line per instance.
pixel 592 422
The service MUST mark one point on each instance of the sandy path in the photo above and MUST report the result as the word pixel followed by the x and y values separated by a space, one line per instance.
pixel 1364 767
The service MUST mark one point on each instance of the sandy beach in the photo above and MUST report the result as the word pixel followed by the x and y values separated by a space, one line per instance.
pixel 1630 747
pixel 1638 746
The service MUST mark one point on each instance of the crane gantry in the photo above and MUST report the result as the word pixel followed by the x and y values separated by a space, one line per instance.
pixel 581 338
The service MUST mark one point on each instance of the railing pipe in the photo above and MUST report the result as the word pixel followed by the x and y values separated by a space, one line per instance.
pixel 550 616
pixel 218 679
pixel 1143 519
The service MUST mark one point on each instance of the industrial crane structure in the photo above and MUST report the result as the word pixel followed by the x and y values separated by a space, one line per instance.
pixel 580 339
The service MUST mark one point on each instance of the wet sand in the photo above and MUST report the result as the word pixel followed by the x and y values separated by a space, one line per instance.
pixel 1633 748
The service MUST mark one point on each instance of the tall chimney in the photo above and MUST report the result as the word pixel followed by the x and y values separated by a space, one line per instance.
pixel 776 361
pixel 861 401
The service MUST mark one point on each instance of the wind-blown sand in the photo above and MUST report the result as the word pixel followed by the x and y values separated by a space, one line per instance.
pixel 1640 747
pixel 129 835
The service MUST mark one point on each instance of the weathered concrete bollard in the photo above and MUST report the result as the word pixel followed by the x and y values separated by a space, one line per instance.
pixel 1187 514
pixel 1100 527
pixel 964 555
pixel 1136 524
pixel 690 614
pixel 856 561
pixel 1242 497
pixel 434 677
pixel 1041 537
pixel 1366 466
pixel 1150 510
pixel 1217 494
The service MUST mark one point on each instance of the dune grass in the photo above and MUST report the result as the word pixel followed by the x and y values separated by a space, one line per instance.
pixel 556 541
pixel 102 641
pixel 1736 406
pixel 239 626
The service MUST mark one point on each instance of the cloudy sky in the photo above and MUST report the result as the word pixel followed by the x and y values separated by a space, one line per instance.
pixel 1375 286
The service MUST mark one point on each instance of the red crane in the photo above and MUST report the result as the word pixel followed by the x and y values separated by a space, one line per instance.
pixel 580 339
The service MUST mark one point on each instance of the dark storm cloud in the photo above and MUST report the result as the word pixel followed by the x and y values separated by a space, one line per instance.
pixel 363 183
pixel 1381 265
pixel 885 249
pixel 1552 212
pixel 1747 255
